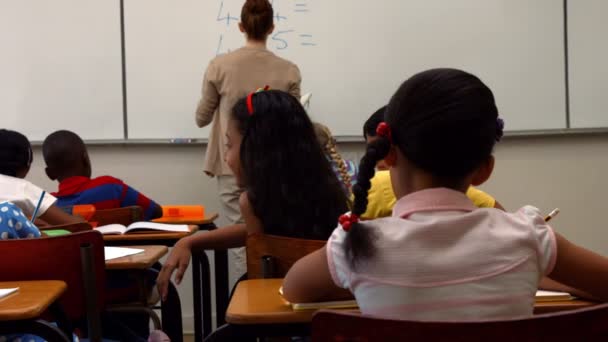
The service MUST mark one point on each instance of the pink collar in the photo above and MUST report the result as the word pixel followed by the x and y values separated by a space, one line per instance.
pixel 434 199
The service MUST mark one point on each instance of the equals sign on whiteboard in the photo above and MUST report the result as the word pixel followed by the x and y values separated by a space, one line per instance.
pixel 301 7
pixel 307 37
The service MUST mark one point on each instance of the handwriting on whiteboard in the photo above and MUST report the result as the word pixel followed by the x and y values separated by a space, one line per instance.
pixel 287 32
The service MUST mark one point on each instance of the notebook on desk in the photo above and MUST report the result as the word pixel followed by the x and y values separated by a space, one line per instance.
pixel 335 304
pixel 552 296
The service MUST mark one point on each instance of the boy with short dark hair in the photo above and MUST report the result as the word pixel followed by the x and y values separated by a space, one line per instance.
pixel 67 161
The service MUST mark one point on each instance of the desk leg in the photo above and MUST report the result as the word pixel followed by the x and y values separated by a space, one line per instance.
pixel 237 332
pixel 62 320
pixel 41 328
pixel 201 286
pixel 171 310
pixel 221 286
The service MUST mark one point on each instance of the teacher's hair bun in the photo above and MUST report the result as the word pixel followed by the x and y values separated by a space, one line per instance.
pixel 258 6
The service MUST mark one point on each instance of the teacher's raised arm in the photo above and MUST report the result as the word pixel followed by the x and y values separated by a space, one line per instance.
pixel 230 77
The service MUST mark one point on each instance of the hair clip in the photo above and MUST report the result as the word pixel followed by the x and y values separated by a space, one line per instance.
pixel 500 126
pixel 250 98
pixel 384 130
pixel 347 221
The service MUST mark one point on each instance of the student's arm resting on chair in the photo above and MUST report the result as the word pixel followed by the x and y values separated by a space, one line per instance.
pixel 309 280
pixel 581 269
pixel 55 216
pixel 223 238
pixel 179 258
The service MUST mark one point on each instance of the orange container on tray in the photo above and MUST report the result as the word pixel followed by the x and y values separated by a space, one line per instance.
pixel 85 211
pixel 177 213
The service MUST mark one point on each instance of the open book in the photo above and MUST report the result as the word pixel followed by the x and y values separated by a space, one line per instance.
pixel 142 227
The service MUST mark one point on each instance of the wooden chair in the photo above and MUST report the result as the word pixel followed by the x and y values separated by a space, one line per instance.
pixel 270 256
pixel 124 216
pixel 590 324
pixel 71 227
pixel 77 259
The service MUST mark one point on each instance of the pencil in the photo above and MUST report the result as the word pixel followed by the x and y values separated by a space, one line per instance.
pixel 38 206
pixel 552 214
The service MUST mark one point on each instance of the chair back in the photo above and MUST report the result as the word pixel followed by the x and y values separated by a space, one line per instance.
pixel 58 258
pixel 271 256
pixel 71 227
pixel 589 324
pixel 124 216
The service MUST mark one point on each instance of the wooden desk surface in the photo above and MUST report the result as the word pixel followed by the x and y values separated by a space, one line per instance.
pixel 150 236
pixel 258 301
pixel 32 299
pixel 207 220
pixel 141 261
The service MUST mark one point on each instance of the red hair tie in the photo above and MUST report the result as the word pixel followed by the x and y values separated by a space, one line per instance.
pixel 384 130
pixel 250 99
pixel 347 221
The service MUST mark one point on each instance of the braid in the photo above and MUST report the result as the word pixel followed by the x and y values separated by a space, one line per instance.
pixel 330 147
pixel 359 240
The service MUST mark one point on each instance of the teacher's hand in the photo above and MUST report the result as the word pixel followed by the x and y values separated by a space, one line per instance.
pixel 178 261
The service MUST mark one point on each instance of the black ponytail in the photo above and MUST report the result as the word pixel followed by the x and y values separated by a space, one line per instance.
pixel 359 242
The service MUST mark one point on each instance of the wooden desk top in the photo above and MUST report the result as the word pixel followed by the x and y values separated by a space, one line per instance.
pixel 159 235
pixel 207 220
pixel 32 299
pixel 141 261
pixel 258 301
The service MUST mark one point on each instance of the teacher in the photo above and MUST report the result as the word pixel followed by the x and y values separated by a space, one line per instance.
pixel 228 78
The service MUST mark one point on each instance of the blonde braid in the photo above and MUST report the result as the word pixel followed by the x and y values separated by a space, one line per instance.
pixel 337 158
pixel 327 141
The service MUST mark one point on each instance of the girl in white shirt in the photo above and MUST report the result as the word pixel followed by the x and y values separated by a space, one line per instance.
pixel 15 160
pixel 438 257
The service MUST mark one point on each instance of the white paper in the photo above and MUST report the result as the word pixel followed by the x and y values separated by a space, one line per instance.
pixel 119 252
pixel 8 292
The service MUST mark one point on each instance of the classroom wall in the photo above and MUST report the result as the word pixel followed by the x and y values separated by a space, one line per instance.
pixel 565 172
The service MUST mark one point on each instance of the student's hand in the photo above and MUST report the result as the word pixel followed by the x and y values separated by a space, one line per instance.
pixel 178 261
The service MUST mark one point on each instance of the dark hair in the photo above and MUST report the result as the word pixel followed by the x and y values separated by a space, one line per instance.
pixel 369 127
pixel 445 122
pixel 15 152
pixel 257 18
pixel 63 152
pixel 288 179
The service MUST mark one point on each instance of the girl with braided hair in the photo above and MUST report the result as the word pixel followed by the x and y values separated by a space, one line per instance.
pixel 438 257
pixel 345 170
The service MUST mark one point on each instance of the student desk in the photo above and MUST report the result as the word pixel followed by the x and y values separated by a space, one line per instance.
pixel 139 264
pixel 19 311
pixel 201 275
pixel 258 309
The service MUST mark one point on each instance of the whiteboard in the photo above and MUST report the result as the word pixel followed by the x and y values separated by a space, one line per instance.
pixel 352 55
pixel 61 67
pixel 587 57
